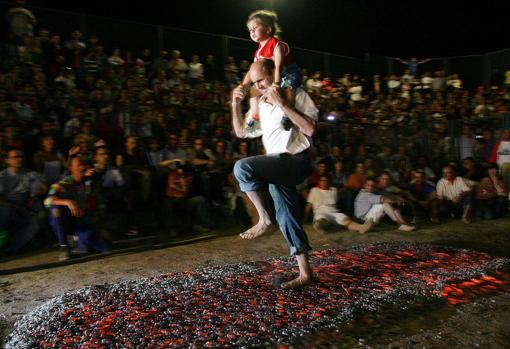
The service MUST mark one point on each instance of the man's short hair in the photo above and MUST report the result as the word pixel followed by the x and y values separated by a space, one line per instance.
pixel 268 66
pixel 449 167
pixel 370 179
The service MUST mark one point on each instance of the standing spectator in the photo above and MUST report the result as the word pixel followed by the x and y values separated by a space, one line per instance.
pixel 467 143
pixel 76 53
pixel 196 71
pixel 211 72
pixel 161 62
pixel 115 61
pixel 178 66
pixel 413 64
pixel 133 165
pixel 439 81
pixel 21 22
pixel 231 72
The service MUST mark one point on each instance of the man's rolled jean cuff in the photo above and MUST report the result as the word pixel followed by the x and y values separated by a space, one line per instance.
pixel 295 251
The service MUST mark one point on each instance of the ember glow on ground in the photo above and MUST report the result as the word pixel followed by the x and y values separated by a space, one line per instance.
pixel 242 304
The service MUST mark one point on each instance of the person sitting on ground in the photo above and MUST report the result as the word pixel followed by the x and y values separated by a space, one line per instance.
pixel 422 196
pixel 371 206
pixel 454 194
pixel 76 211
pixel 323 200
pixel 491 195
pixel 182 202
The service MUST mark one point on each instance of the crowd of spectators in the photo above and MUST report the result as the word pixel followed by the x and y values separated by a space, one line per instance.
pixel 89 131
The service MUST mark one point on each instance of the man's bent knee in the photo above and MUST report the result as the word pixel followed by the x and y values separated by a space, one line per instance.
pixel 243 172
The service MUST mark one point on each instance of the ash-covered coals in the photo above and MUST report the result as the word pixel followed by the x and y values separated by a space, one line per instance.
pixel 241 305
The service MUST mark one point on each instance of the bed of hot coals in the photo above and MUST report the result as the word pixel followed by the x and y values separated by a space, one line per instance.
pixel 242 305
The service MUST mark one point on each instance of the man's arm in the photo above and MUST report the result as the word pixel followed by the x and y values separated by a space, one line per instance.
pixel 238 95
pixel 304 122
pixel 440 189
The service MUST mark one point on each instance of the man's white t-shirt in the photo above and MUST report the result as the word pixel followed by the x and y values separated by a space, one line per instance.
pixel 275 138
pixel 322 199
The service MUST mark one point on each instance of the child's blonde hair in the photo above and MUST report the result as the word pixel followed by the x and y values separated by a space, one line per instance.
pixel 267 18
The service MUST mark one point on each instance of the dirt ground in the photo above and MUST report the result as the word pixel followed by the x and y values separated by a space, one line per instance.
pixel 482 323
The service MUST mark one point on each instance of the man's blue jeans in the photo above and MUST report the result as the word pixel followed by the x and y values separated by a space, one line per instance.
pixel 282 172
pixel 63 224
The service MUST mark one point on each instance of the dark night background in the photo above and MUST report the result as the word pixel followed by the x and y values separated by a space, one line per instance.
pixel 394 28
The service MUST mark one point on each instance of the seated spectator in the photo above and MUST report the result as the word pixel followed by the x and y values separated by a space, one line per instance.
pixel 323 200
pixel 48 161
pixel 422 196
pixel 454 194
pixel 339 176
pixel 357 179
pixel 183 209
pixel 75 211
pixel 491 195
pixel 321 170
pixel 19 206
pixel 110 178
pixel 173 150
pixel 353 186
pixel 471 170
pixel 385 185
pixel 134 168
pixel 371 206
pixel 242 151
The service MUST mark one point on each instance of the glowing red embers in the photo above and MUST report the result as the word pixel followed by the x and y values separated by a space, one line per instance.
pixel 241 305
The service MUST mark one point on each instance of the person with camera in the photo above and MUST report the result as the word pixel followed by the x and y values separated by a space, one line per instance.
pixel 76 211
pixel 369 205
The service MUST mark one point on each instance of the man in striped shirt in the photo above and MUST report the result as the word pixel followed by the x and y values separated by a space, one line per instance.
pixel 454 193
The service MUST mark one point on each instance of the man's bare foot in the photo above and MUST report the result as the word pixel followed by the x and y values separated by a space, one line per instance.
pixel 406 227
pixel 466 220
pixel 297 283
pixel 257 230
pixel 369 223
